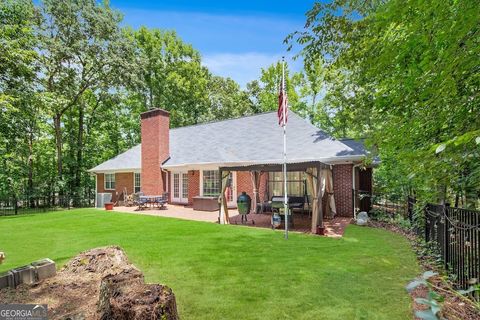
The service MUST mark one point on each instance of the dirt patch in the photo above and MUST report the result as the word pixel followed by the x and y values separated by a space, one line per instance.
pixel 454 305
pixel 74 292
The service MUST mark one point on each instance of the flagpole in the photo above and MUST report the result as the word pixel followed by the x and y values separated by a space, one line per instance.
pixel 285 200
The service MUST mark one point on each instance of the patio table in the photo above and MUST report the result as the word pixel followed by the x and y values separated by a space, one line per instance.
pixel 154 200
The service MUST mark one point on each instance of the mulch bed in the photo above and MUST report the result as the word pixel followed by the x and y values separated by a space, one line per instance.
pixel 454 306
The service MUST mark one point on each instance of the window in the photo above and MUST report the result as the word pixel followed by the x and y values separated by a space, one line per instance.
pixel 295 183
pixel 184 185
pixel 176 185
pixel 109 181
pixel 211 183
pixel 136 185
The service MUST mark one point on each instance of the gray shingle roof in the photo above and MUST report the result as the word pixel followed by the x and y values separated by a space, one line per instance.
pixel 128 160
pixel 247 140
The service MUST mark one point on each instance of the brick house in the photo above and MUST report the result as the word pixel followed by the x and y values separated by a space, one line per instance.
pixel 185 161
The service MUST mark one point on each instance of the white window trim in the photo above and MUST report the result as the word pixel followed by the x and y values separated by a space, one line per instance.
pixel 201 179
pixel 105 180
pixel 134 173
pixel 170 183
pixel 183 185
pixel 234 184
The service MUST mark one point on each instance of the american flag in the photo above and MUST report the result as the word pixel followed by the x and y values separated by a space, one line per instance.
pixel 282 104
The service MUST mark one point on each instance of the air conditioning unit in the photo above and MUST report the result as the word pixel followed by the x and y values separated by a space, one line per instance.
pixel 103 198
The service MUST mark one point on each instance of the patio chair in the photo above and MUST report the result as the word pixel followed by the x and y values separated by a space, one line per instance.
pixel 137 201
pixel 161 201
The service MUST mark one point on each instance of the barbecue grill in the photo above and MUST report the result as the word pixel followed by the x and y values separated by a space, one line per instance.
pixel 293 202
pixel 244 203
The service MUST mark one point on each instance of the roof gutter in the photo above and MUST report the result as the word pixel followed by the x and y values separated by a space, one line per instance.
pixel 330 160
pixel 95 171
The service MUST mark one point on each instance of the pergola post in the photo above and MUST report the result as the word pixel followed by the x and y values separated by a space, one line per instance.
pixel 221 217
pixel 223 212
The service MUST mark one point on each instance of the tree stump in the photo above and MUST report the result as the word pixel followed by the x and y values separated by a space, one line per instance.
pixel 126 296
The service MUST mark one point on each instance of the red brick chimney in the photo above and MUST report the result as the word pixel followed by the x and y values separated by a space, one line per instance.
pixel 155 150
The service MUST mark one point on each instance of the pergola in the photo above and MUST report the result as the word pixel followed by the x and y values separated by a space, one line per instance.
pixel 319 177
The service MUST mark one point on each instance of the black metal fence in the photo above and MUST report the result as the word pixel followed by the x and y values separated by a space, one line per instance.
pixel 380 203
pixel 453 232
pixel 27 204
pixel 456 234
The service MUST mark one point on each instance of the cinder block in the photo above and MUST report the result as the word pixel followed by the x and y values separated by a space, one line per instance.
pixel 25 274
pixel 7 280
pixel 44 268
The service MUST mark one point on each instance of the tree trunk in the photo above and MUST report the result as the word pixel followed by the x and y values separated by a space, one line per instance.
pixel 314 100
pixel 126 296
pixel 30 168
pixel 78 167
pixel 150 97
pixel 442 194
pixel 57 122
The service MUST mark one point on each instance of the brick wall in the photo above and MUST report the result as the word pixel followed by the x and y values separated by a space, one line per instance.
pixel 342 188
pixel 122 180
pixel 155 149
pixel 244 183
pixel 169 187
pixel 193 185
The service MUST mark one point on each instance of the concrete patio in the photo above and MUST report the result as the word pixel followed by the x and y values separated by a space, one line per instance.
pixel 302 222
pixel 176 211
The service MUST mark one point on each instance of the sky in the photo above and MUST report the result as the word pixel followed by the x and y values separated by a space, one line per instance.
pixel 235 38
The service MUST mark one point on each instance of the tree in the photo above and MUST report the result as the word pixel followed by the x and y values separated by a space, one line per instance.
pixel 226 99
pixel 311 82
pixel 169 76
pixel 264 92
pixel 17 73
pixel 73 83
pixel 82 48
pixel 405 74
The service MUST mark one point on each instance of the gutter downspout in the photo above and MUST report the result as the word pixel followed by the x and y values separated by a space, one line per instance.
pixel 96 190
pixel 166 179
pixel 353 189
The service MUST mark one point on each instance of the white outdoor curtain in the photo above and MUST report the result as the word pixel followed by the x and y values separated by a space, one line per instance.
pixel 255 175
pixel 316 185
pixel 327 177
pixel 222 199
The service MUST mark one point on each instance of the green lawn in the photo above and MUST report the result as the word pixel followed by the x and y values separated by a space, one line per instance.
pixel 233 272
